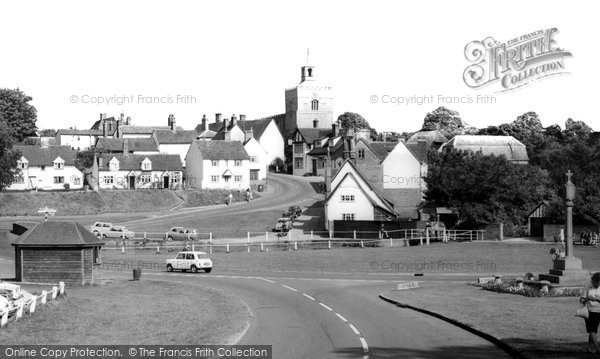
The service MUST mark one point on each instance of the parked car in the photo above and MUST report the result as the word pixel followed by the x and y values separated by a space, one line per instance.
pixel 296 210
pixel 182 234
pixel 5 304
pixel 192 261
pixel 99 228
pixel 283 225
pixel 118 232
pixel 288 214
pixel 10 291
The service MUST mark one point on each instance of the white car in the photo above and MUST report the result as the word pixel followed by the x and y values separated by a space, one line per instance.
pixel 192 261
pixel 10 291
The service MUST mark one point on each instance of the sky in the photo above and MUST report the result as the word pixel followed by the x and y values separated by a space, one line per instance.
pixel 189 58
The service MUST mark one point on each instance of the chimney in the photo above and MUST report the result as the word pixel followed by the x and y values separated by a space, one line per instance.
pixel 330 143
pixel 122 118
pixel 104 129
pixel 226 124
pixel 128 121
pixel 169 120
pixel 242 117
pixel 125 146
pixel 204 124
pixel 335 129
pixel 118 135
pixel 217 118
pixel 233 120
pixel 100 162
pixel 172 124
pixel 249 134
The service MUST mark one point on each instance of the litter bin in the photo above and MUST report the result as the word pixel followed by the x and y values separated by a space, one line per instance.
pixel 137 273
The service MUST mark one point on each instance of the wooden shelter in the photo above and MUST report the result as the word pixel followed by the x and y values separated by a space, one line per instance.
pixel 49 252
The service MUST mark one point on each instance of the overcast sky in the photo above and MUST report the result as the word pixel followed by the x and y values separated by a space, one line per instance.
pixel 240 56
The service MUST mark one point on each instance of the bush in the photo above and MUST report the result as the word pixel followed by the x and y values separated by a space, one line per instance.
pixel 510 287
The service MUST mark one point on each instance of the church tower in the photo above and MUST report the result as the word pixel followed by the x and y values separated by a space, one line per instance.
pixel 309 104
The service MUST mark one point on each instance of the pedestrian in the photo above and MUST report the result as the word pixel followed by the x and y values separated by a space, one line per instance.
pixel 591 299
pixel 230 198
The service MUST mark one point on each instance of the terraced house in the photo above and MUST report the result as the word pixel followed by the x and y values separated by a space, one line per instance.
pixel 46 168
pixel 129 171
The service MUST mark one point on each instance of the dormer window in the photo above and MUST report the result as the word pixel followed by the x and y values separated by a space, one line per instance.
pixel 146 165
pixel 113 165
pixel 59 163
pixel 22 163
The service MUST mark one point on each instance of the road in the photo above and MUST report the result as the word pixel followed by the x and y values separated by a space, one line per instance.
pixel 337 318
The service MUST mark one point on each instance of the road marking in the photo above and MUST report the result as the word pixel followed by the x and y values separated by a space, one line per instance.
pixel 354 329
pixel 341 317
pixel 364 344
pixel 290 288
pixel 309 297
pixel 326 307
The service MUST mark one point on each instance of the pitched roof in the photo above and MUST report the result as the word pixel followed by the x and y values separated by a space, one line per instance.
pixel 380 149
pixel 38 141
pixel 174 137
pixel 221 150
pixel 130 129
pixel 134 144
pixel 98 124
pixel 76 132
pixel 312 134
pixel 258 126
pixel 508 146
pixel 45 156
pixel 419 150
pixel 430 137
pixel 55 234
pixel 206 134
pixel 160 162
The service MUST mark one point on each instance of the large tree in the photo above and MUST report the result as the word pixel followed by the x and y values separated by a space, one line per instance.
pixel 447 121
pixel 354 120
pixel 485 189
pixel 18 114
pixel 8 157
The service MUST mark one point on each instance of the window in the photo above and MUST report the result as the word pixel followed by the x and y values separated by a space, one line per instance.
pixel 22 165
pixel 361 153
pixel 59 179
pixel 59 165
pixel 238 163
pixel 147 166
pixel 76 180
pixel 180 256
pixel 298 163
pixel 314 105
pixel 253 159
pixel 237 178
pixel 315 123
pixel 190 256
pixel 322 162
pixel 298 147
pixel 214 179
pixel 215 163
pixel 42 168
pixel 348 216
pixel 347 198
pixel 145 179
pixel 254 175
pixel 109 179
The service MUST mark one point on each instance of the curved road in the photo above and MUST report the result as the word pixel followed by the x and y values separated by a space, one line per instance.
pixel 338 318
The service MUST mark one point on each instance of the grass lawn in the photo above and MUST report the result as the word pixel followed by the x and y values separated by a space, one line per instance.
pixel 538 327
pixel 127 312
pixel 475 258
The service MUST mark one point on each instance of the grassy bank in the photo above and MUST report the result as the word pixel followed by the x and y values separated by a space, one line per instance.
pixel 537 327
pixel 124 312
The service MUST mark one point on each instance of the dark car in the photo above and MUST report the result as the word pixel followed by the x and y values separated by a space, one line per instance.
pixel 296 210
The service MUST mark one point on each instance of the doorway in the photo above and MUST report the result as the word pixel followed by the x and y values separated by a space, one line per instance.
pixel 166 181
pixel 131 182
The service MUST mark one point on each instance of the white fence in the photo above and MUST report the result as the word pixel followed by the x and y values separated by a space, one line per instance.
pixel 16 313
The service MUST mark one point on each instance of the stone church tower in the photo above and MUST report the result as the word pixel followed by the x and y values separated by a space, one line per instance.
pixel 308 105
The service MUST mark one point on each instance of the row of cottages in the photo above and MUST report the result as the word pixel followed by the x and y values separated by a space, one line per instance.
pixel 136 171
pixel 46 168
pixel 219 164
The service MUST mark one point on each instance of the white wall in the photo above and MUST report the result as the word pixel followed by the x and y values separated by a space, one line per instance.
pixel 255 150
pixel 273 143
pixel 361 207
pixel 175 149
pixel 35 177
pixel 121 179
pixel 210 170
pixel 78 142
pixel 401 169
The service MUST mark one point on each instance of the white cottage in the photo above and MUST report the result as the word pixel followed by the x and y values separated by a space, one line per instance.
pixel 217 165
pixel 129 171
pixel 46 168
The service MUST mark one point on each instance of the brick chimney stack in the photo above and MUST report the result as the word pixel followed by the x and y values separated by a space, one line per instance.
pixel 172 125
pixel 204 123
pixel 233 120
pixel 242 117
pixel 217 118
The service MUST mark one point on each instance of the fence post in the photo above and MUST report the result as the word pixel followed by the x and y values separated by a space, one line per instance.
pixel 4 318
pixel 421 240
pixel 145 235
pixel 19 311
pixel 391 243
pixel 482 232
pixel 227 247
pixel 407 242
pixel 262 248
pixel 355 234
pixel 427 236
pixel 61 288
pixel 295 246
pixel 248 241
pixel 311 235
pixel 123 249
pixel 157 249
pixel 329 244
pixel 470 236
pixel 330 234
pixel 267 236
pixel 362 244
pixel 44 295
pixel 193 248
pixel 32 305
pixel 54 292
pixel 210 249
pixel 248 247
pixel 210 238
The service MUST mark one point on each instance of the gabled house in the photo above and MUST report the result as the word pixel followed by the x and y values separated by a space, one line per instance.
pixel 46 168
pixel 174 142
pixel 258 159
pixel 130 171
pixel 217 165
pixel 353 198
pixel 80 140
pixel 302 142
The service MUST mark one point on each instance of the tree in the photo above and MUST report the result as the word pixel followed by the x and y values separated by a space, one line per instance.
pixel 18 114
pixel 485 189
pixel 354 120
pixel 48 133
pixel 8 157
pixel 447 121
